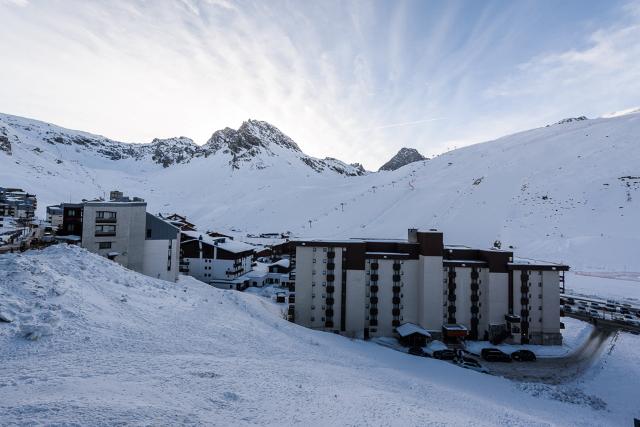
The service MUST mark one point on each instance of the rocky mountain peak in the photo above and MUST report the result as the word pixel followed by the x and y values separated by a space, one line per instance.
pixel 402 158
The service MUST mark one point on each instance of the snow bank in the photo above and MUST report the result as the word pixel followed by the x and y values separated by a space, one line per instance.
pixel 116 347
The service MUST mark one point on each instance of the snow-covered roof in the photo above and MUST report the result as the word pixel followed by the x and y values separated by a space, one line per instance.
pixel 202 236
pixel 282 263
pixel 234 246
pixel 407 329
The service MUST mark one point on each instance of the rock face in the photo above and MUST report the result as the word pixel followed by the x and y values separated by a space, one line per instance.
pixel 572 119
pixel 402 158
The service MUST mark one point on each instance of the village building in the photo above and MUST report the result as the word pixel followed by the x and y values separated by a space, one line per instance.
pixel 371 287
pixel 55 215
pixel 120 229
pixel 17 203
pixel 218 261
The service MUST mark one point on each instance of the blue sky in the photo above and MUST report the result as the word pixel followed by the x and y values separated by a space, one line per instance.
pixel 353 80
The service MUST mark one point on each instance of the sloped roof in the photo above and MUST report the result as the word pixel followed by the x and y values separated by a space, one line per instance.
pixel 407 329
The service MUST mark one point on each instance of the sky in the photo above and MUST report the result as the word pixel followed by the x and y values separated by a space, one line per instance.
pixel 353 80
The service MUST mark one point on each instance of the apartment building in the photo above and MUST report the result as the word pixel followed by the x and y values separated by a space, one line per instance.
pixel 122 230
pixel 219 261
pixel 17 203
pixel 55 216
pixel 370 287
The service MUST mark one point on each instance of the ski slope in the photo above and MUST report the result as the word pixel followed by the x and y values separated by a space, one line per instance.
pixel 92 343
pixel 569 192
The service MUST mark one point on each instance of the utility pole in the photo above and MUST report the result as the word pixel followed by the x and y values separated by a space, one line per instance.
pixel 342 206
pixel 309 223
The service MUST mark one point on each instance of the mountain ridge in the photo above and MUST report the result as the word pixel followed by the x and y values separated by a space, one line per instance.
pixel 252 139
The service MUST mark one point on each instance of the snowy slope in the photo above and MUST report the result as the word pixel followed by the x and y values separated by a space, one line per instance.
pixel 568 192
pixel 92 343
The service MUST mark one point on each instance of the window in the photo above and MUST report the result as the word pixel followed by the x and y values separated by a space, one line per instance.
pixel 104 245
pixel 71 212
pixel 314 260
pixel 69 227
pixel 314 249
pixel 105 215
pixel 324 249
pixel 148 233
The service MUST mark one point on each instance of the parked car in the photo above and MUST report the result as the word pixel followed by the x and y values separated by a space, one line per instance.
pixel 416 351
pixel 473 365
pixel 595 313
pixel 495 355
pixel 523 356
pixel 567 309
pixel 444 354
pixel 571 301
pixel 624 310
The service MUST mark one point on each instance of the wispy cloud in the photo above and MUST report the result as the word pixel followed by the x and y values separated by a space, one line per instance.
pixel 344 79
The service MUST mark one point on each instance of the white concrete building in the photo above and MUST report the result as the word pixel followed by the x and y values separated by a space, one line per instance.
pixel 124 232
pixel 366 288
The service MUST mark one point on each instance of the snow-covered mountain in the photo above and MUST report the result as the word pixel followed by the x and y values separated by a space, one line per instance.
pixel 568 192
pixel 402 158
pixel 252 145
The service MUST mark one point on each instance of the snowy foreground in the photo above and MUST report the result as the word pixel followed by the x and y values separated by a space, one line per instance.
pixel 92 343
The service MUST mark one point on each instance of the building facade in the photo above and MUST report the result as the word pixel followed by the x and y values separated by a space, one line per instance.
pixel 121 230
pixel 17 203
pixel 218 261
pixel 367 288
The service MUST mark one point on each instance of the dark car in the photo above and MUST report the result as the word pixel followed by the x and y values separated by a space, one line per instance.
pixel 444 354
pixel 523 356
pixel 416 351
pixel 495 355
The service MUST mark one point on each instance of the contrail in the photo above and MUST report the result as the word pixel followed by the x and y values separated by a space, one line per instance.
pixel 397 125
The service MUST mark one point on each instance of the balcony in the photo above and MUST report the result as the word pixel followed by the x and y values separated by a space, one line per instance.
pixel 452 287
pixel 474 275
pixel 524 289
pixel 331 266
pixel 373 311
pixel 106 220
pixel 330 301
pixel 329 312
pixel 374 277
pixel 331 277
pixel 395 312
pixel 331 255
pixel 396 289
pixel 452 275
pixel 451 309
pixel 396 300
pixel 475 309
pixel 331 289
pixel 373 300
pixel 474 322
pixel 373 322
pixel 524 314
pixel 396 267
pixel 475 298
pixel 328 324
pixel 374 288
pixel 396 277
pixel 105 233
pixel 451 297
pixel 524 301
pixel 475 287
pixel 374 266
pixel 395 323
pixel 524 277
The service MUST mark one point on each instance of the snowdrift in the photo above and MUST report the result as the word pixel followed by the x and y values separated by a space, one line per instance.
pixel 90 342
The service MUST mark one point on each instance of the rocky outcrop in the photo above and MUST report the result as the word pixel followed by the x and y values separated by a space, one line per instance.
pixel 404 157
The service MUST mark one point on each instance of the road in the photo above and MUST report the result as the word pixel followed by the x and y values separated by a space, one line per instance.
pixel 557 370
